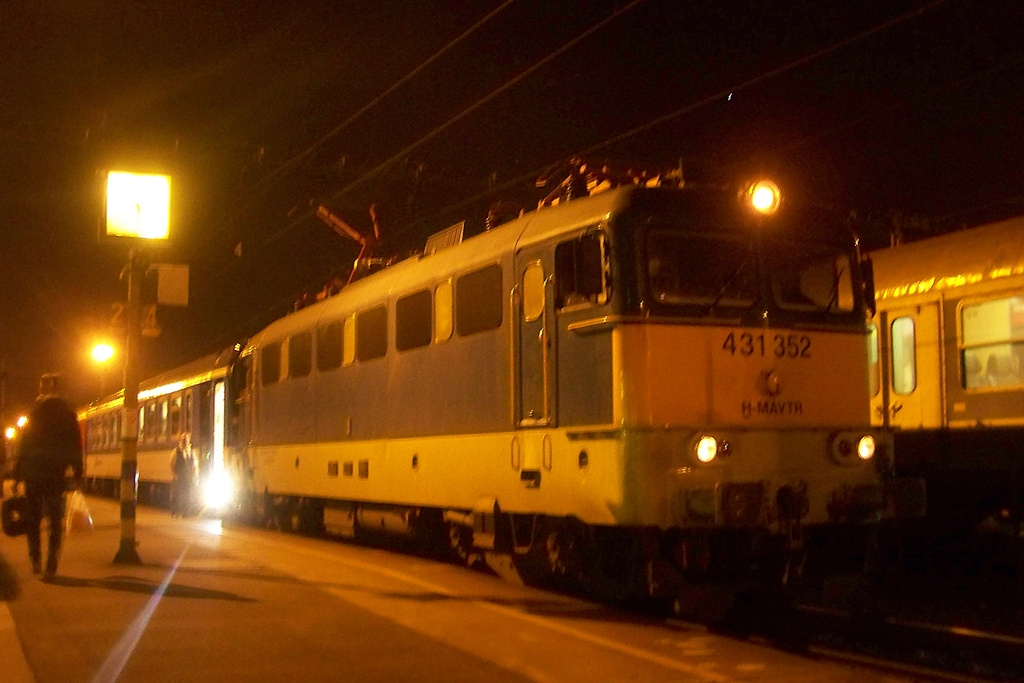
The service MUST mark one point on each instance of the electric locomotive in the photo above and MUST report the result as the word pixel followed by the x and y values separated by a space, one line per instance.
pixel 650 383
pixel 947 347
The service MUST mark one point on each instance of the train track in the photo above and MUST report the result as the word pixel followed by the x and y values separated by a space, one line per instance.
pixel 938 651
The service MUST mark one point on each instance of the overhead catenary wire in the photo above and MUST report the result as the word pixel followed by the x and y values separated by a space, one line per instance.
pixel 703 102
pixel 394 159
pixel 334 132
pixel 532 175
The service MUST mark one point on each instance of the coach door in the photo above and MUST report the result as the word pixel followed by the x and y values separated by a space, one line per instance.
pixel 910 396
pixel 536 320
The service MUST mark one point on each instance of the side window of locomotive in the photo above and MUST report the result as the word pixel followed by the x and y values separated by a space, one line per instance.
pixel 328 346
pixel 580 271
pixel 372 333
pixel 443 312
pixel 270 364
pixel 348 348
pixel 478 301
pixel 413 321
pixel 874 381
pixel 533 291
pixel 992 344
pixel 300 354
pixel 904 361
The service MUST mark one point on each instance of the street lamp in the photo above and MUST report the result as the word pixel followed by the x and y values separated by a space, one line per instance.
pixel 138 208
pixel 102 353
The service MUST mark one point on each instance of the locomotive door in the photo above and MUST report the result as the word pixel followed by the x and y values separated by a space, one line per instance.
pixel 911 396
pixel 536 321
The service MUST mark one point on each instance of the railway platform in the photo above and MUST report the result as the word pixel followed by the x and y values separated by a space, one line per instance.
pixel 192 611
pixel 229 603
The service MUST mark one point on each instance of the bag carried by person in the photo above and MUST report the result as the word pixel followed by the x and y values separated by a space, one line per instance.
pixel 77 518
pixel 14 512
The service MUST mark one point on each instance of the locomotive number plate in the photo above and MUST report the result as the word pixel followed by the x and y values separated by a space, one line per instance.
pixel 762 344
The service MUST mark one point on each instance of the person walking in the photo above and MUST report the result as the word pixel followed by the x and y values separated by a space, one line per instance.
pixel 183 476
pixel 51 444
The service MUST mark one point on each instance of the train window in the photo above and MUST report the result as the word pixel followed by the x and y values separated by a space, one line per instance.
pixel 443 311
pixel 164 417
pixel 142 421
pixel 874 383
pixel 707 270
pixel 176 415
pixel 580 271
pixel 328 346
pixel 533 291
pixel 904 362
pixel 807 277
pixel 372 333
pixel 478 301
pixel 186 424
pixel 270 364
pixel 413 314
pixel 152 421
pixel 992 344
pixel 300 354
pixel 348 350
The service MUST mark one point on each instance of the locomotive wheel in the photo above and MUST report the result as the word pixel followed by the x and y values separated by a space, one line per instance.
pixel 459 540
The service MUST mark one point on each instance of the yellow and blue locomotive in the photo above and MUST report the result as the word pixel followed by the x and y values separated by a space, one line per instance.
pixel 657 381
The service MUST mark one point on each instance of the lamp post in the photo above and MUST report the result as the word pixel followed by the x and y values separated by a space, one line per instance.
pixel 138 207
pixel 102 353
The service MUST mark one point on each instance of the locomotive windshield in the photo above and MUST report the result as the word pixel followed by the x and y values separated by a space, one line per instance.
pixel 720 275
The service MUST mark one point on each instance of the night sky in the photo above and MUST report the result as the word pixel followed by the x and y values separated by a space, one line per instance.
pixel 907 113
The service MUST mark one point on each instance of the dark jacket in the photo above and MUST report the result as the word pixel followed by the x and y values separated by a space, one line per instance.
pixel 51 442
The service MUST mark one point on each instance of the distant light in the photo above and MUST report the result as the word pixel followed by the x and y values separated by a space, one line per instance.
pixel 10 432
pixel 138 205
pixel 22 421
pixel 101 353
pixel 764 196
pixel 729 98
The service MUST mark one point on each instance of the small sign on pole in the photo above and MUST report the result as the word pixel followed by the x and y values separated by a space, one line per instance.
pixel 171 284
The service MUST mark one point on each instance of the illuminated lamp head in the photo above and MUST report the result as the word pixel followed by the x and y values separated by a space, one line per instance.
pixel 706 448
pixel 764 197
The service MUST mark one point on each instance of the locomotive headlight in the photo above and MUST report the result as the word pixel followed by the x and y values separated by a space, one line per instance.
pixel 764 197
pixel 866 447
pixel 850 448
pixel 706 448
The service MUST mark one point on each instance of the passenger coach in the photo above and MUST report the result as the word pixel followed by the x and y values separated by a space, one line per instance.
pixel 947 348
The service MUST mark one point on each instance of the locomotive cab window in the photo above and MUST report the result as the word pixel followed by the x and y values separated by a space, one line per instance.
pixel 686 268
pixel 807 277
pixel 580 271
pixel 992 343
